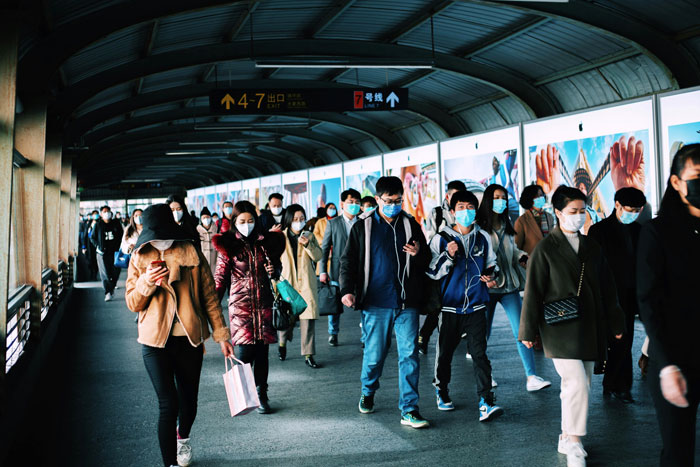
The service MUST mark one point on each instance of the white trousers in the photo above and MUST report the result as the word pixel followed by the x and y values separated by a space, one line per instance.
pixel 575 387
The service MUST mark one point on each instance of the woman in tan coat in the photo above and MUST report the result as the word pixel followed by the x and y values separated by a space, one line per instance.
pixel 535 223
pixel 301 252
pixel 207 229
pixel 172 289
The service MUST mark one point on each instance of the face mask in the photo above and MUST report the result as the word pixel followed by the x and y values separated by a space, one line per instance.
pixel 465 217
pixel 228 210
pixel 352 209
pixel 391 210
pixel 106 215
pixel 162 245
pixel 177 215
pixel 693 195
pixel 95 216
pixel 276 211
pixel 206 221
pixel 539 202
pixel 298 226
pixel 331 212
pixel 245 229
pixel 499 205
pixel 573 222
pixel 628 217
pixel 137 220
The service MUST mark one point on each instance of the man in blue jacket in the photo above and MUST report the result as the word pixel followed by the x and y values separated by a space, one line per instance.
pixel 464 263
pixel 382 273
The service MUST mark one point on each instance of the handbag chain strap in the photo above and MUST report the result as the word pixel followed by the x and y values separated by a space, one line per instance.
pixel 580 281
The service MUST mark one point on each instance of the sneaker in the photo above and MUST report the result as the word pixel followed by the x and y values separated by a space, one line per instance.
pixel 108 297
pixel 366 404
pixel 184 452
pixel 422 346
pixel 333 340
pixel 568 447
pixel 468 356
pixel 443 400
pixel 575 461
pixel 414 420
pixel 282 352
pixel 494 384
pixel 488 411
pixel 536 383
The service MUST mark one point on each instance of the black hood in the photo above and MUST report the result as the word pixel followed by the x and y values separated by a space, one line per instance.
pixel 159 224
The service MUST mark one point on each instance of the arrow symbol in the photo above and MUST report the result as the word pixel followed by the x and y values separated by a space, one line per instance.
pixel 228 100
pixel 393 99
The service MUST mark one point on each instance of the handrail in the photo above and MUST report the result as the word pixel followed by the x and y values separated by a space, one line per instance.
pixel 18 325
pixel 48 292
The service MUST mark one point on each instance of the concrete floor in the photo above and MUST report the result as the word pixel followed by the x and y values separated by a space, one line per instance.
pixel 108 414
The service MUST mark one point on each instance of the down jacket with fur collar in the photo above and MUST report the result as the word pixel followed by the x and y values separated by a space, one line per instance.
pixel 241 266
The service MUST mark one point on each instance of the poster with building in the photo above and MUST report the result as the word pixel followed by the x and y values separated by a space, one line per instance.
pixel 268 185
pixel 326 186
pixel 296 190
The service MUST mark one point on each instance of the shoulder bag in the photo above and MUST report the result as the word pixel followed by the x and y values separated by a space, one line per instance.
pixel 566 309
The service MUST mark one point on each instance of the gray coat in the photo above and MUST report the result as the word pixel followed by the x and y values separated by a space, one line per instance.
pixel 333 245
pixel 553 273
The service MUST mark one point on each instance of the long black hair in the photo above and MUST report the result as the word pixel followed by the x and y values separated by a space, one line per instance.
pixel 131 228
pixel 672 203
pixel 289 215
pixel 485 214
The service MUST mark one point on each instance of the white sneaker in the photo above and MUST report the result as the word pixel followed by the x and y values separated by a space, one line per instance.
pixel 568 447
pixel 108 297
pixel 536 383
pixel 184 452
pixel 575 461
pixel 494 384
pixel 468 356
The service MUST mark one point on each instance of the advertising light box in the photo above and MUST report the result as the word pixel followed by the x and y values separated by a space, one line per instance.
pixel 483 159
pixel 250 191
pixel 362 174
pixel 222 194
pixel 680 125
pixel 326 184
pixel 598 152
pixel 210 198
pixel 233 189
pixel 418 170
pixel 268 185
pixel 296 190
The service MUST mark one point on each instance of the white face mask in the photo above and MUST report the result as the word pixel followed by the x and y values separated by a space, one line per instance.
pixel 137 220
pixel 106 215
pixel 276 211
pixel 177 215
pixel 245 229
pixel 298 226
pixel 162 245
pixel 573 222
pixel 206 221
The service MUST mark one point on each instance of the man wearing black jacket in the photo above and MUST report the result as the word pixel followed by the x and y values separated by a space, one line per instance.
pixel 275 212
pixel 106 237
pixel 618 235
pixel 382 272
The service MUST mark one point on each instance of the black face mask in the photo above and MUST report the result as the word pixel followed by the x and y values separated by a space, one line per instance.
pixel 693 195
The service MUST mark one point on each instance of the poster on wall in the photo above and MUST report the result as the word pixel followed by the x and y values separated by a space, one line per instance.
pixel 326 186
pixel 362 174
pixel 222 194
pixel 483 159
pixel 598 152
pixel 210 198
pixel 250 191
pixel 296 190
pixel 268 185
pixel 680 125
pixel 234 191
pixel 418 169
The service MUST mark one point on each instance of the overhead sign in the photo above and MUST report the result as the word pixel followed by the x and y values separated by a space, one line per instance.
pixel 270 101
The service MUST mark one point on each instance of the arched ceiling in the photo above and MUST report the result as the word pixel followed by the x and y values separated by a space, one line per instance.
pixel 128 82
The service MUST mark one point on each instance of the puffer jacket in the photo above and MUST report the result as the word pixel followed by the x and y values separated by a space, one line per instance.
pixel 241 266
pixel 188 294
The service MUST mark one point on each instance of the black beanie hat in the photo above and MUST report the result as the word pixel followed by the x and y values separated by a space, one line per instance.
pixel 631 197
pixel 205 212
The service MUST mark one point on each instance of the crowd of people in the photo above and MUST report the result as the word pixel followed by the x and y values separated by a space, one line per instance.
pixel 576 294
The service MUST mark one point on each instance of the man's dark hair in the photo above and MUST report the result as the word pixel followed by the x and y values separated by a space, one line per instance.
pixel 528 195
pixel 227 202
pixel 630 196
pixel 564 195
pixel 351 192
pixel 105 207
pixel 320 213
pixel 464 197
pixel 370 200
pixel 456 185
pixel 275 196
pixel 389 186
pixel 95 211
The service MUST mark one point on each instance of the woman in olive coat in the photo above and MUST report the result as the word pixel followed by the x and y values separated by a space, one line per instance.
pixel 553 273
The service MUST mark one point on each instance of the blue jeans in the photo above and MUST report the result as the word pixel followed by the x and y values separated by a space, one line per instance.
pixel 377 329
pixel 333 324
pixel 512 304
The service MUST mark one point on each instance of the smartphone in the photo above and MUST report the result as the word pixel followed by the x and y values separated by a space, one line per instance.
pixel 488 271
pixel 158 264
pixel 306 234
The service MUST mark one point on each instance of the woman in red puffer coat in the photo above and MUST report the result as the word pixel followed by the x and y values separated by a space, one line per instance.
pixel 248 257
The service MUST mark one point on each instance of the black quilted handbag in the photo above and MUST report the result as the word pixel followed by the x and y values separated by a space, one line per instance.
pixel 566 309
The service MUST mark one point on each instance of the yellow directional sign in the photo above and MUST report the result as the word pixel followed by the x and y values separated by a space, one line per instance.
pixel 228 101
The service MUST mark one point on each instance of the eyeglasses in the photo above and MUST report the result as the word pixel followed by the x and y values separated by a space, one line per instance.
pixel 398 202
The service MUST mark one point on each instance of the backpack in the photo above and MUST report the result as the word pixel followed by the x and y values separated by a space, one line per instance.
pixel 432 303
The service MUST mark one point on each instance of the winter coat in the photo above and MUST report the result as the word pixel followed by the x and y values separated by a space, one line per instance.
pixel 106 236
pixel 128 242
pixel 320 232
pixel 240 266
pixel 188 293
pixel 528 232
pixel 303 276
pixel 508 258
pixel 553 273
pixel 208 250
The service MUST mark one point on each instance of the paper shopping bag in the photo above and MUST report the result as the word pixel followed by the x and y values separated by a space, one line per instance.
pixel 240 387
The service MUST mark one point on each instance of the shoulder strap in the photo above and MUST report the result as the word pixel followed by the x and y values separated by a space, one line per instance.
pixel 580 281
pixel 439 217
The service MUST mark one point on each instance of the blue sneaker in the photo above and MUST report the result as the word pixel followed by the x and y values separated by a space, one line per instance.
pixel 488 412
pixel 414 419
pixel 443 400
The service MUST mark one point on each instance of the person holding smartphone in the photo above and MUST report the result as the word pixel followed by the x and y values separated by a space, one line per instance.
pixel 172 289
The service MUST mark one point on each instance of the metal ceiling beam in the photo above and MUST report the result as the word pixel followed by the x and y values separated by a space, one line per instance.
pixel 601 62
pixel 242 21
pixel 327 18
pixel 147 49
pixel 410 25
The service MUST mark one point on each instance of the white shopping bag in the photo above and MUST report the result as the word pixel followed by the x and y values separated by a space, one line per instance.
pixel 240 387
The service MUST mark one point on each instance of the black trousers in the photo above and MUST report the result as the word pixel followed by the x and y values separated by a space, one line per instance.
pixel 257 355
pixel 618 369
pixel 174 372
pixel 429 325
pixel 451 328
pixel 677 425
pixel 109 273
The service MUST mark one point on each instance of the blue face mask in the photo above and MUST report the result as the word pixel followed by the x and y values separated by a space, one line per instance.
pixel 331 212
pixel 465 217
pixel 95 216
pixel 391 210
pixel 352 209
pixel 228 210
pixel 539 202
pixel 628 217
pixel 499 205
